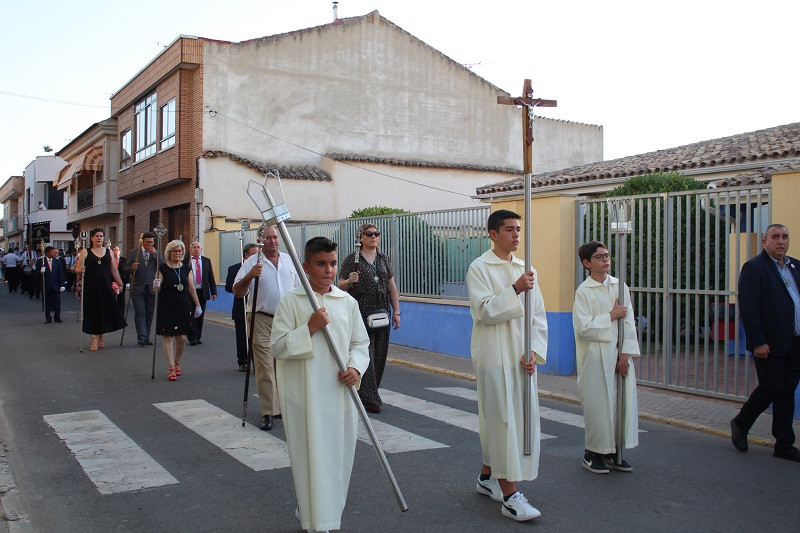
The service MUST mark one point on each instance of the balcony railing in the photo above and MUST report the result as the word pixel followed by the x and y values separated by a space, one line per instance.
pixel 85 198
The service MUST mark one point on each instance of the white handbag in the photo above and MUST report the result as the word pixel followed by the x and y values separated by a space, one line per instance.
pixel 378 319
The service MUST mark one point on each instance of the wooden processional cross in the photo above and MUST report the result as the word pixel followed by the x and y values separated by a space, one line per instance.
pixel 528 103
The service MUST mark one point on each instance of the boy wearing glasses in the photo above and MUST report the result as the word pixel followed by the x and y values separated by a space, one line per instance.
pixel 594 317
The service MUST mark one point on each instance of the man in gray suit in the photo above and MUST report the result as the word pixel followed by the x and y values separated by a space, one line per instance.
pixel 143 260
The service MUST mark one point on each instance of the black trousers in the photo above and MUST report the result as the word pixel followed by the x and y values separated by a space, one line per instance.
pixel 196 331
pixel 778 376
pixel 52 303
pixel 241 342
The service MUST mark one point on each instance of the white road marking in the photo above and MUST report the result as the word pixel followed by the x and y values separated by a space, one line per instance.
pixel 442 413
pixel 252 447
pixel 396 440
pixel 564 417
pixel 111 459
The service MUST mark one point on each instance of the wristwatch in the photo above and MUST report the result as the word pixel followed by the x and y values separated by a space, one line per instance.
pixel 514 286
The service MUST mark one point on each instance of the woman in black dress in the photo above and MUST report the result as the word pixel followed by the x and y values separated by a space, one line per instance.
pixel 175 297
pixel 371 283
pixel 100 311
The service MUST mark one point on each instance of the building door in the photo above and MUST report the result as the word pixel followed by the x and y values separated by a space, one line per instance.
pixel 178 224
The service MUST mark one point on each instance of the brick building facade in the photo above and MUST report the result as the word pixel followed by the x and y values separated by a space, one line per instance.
pixel 159 123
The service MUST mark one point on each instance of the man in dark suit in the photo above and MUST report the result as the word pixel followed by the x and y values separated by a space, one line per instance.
pixel 237 312
pixel 769 302
pixel 206 286
pixel 145 259
pixel 52 270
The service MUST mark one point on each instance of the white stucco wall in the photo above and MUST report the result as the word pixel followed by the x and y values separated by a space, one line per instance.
pixel 366 87
pixel 562 144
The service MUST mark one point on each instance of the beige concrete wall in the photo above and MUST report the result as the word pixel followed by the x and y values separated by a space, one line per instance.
pixel 785 195
pixel 553 246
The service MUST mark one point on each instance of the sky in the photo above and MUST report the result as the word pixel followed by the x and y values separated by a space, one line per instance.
pixel 654 74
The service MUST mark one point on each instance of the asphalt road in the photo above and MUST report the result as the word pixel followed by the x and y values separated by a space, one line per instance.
pixel 683 480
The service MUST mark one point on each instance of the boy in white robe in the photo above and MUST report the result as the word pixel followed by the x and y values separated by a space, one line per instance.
pixel 496 282
pixel 319 416
pixel 594 317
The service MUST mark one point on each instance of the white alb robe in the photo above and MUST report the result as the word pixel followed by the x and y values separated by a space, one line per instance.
pixel 498 331
pixel 319 416
pixel 596 351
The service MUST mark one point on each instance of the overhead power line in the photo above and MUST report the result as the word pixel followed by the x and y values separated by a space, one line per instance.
pixel 213 113
pixel 52 100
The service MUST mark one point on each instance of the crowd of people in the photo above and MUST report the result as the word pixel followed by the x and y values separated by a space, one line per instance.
pixel 300 382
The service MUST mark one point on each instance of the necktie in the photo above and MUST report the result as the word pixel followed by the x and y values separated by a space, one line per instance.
pixel 50 264
pixel 197 278
pixel 146 255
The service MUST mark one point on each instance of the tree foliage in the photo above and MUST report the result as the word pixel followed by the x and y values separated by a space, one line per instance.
pixel 375 211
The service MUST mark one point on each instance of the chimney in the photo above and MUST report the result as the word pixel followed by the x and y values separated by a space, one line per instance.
pixel 335 11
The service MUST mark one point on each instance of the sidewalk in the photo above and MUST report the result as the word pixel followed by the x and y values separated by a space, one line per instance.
pixel 699 413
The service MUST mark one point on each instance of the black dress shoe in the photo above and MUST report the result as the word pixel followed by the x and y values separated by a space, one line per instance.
pixel 192 343
pixel 242 368
pixel 738 436
pixel 266 423
pixel 199 341
pixel 791 453
pixel 148 342
pixel 47 321
pixel 141 342
pixel 58 320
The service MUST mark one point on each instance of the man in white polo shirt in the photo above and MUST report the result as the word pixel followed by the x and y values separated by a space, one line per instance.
pixel 276 276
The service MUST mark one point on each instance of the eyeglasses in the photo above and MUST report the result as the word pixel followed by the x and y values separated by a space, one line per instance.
pixel 372 233
pixel 601 257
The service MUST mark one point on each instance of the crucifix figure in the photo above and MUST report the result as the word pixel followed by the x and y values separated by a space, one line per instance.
pixel 528 103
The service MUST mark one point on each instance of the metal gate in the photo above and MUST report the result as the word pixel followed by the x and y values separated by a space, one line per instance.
pixel 684 258
pixel 430 251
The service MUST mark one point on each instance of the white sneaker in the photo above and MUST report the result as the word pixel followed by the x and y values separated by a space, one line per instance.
pixel 490 488
pixel 518 508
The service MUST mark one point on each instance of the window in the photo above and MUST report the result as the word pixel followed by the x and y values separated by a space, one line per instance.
pixel 125 149
pixel 146 128
pixel 168 124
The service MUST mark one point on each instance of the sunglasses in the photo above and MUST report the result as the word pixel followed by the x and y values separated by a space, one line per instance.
pixel 372 233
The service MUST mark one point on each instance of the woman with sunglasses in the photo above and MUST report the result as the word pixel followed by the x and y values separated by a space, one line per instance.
pixel 370 280
pixel 174 314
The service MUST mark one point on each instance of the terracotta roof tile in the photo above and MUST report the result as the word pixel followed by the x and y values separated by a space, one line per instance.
pixel 358 158
pixel 772 144
pixel 304 172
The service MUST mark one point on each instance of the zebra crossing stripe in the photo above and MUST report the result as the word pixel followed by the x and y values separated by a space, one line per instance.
pixel 249 445
pixel 442 413
pixel 555 415
pixel 111 459
pixel 563 417
pixel 396 440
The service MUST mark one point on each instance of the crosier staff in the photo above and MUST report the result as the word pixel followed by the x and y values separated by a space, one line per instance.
pixel 274 213
pixel 129 290
pixel 159 230
pixel 256 283
pixel 82 254
pixel 619 212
